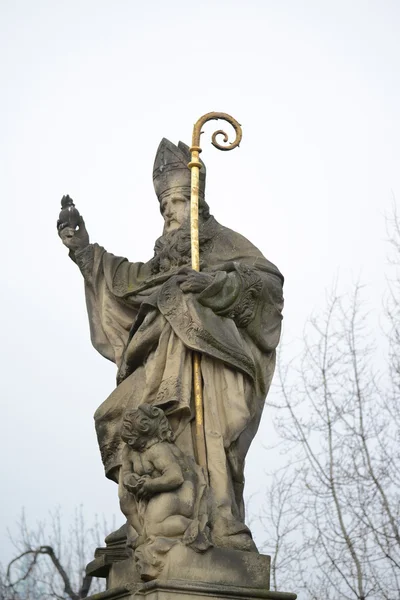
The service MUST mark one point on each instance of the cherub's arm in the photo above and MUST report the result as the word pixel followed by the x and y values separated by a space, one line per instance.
pixel 127 475
pixel 164 461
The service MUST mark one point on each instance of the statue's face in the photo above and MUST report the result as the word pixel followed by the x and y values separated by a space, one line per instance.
pixel 175 210
pixel 136 441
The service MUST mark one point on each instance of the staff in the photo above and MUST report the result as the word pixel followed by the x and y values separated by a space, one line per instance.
pixel 195 166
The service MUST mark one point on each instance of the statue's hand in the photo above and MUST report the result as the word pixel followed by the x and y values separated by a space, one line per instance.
pixel 131 483
pixel 145 487
pixel 74 239
pixel 194 281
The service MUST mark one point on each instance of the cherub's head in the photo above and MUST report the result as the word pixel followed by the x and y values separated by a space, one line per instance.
pixel 145 424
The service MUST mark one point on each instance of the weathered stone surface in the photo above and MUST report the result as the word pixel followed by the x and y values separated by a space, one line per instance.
pixel 149 318
pixel 184 523
pixel 114 551
pixel 216 566
pixel 183 590
pixel 163 492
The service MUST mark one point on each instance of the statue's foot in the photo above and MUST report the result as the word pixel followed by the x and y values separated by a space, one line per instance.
pixel 240 541
pixel 232 534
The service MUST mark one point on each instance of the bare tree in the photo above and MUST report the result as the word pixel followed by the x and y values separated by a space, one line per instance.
pixel 336 505
pixel 281 524
pixel 49 562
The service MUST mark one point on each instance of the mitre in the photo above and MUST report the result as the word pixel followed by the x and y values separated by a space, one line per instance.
pixel 171 170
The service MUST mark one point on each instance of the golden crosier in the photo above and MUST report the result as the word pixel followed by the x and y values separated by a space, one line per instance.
pixel 195 166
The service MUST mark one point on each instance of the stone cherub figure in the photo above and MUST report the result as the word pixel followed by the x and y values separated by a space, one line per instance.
pixel 149 317
pixel 162 490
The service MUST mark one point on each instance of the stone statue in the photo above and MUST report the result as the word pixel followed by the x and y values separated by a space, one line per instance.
pixel 148 318
pixel 162 490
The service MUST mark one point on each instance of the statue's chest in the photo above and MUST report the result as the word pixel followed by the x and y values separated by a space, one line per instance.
pixel 141 465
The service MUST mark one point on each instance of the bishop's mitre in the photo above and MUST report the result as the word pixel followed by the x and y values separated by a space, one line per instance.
pixel 170 170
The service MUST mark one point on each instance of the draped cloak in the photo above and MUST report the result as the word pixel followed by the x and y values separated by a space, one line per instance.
pixel 146 325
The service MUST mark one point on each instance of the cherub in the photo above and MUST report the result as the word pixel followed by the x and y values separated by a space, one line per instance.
pixel 162 491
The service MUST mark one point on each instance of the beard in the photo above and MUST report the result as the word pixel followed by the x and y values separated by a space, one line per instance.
pixel 173 250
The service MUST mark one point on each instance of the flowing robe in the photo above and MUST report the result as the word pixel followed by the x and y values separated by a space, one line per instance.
pixel 149 328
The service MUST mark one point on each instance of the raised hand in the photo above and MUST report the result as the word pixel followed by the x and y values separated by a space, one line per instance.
pixel 74 239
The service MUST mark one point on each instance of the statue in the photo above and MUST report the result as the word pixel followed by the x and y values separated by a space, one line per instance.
pixel 162 490
pixel 150 318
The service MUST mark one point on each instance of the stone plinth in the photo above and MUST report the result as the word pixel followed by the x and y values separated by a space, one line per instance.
pixel 184 590
pixel 188 575
pixel 220 566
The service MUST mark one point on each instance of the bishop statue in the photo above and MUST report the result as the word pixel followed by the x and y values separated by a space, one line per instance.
pixel 149 318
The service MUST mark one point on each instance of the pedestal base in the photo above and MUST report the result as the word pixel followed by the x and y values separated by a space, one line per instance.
pixel 218 573
pixel 221 566
pixel 184 590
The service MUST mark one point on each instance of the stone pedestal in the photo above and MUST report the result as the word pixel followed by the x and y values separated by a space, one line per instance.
pixel 184 590
pixel 187 575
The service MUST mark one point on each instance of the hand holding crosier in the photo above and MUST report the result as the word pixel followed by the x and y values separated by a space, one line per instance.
pixel 194 281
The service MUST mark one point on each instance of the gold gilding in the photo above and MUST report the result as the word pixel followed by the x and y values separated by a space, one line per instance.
pixel 195 166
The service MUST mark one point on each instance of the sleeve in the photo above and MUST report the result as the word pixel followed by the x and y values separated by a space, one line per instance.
pixel 107 279
pixel 252 297
pixel 234 294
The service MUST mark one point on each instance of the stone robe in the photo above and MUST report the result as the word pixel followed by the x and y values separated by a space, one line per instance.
pixel 149 328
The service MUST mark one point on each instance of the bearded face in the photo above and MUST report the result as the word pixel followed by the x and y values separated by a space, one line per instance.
pixel 172 249
pixel 175 208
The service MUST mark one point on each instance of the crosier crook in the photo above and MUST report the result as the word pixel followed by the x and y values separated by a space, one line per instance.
pixel 195 166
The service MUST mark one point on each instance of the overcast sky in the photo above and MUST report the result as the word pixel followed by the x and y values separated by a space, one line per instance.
pixel 88 89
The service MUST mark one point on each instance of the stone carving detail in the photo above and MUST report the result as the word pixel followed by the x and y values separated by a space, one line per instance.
pixel 163 491
pixel 149 318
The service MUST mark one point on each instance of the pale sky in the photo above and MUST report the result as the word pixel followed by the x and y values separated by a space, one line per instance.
pixel 88 89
